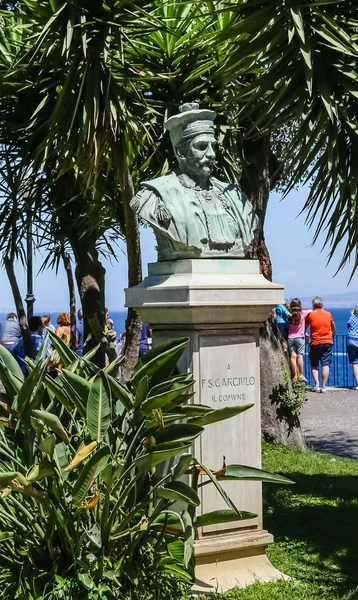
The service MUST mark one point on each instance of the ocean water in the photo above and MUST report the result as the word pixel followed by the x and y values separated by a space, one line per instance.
pixel 340 373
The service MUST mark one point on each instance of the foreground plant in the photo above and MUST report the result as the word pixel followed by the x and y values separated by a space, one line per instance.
pixel 90 471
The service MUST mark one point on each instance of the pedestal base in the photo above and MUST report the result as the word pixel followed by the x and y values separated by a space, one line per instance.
pixel 236 561
pixel 219 305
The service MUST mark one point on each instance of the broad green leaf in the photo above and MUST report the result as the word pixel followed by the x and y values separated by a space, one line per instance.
pixel 11 363
pixel 153 458
pixel 189 537
pixel 55 387
pixel 219 488
pixel 113 366
pixel 179 432
pixel 53 422
pixel 80 385
pixel 222 516
pixel 11 382
pixel 251 474
pixel 67 355
pixel 155 402
pixel 159 363
pixel 32 390
pixel 141 393
pixel 89 472
pixel 178 491
pixel 176 549
pixel 48 445
pixel 98 407
pixel 120 392
pixel 61 459
pixel 182 465
pixel 219 414
pixel 40 471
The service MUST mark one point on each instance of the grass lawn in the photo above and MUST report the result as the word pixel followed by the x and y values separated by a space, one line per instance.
pixel 315 525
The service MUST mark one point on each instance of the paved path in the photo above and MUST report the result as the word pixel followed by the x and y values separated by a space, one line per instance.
pixel 330 421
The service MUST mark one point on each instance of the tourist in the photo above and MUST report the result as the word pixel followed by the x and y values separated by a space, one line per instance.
pixel 47 325
pixel 145 339
pixel 352 344
pixel 282 315
pixel 296 339
pixel 109 324
pixel 10 332
pixel 322 329
pixel 79 333
pixel 64 330
pixel 36 330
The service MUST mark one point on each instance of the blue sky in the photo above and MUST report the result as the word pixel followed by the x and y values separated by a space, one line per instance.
pixel 300 267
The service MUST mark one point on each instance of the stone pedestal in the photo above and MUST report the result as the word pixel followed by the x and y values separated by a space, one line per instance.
pixel 219 305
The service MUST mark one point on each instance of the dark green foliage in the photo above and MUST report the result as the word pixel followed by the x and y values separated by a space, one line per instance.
pixel 88 506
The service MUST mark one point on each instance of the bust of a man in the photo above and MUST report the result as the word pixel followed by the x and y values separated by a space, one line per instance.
pixel 193 214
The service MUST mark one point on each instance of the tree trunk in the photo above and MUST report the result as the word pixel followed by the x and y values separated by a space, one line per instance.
pixel 133 321
pixel 9 267
pixel 278 424
pixel 89 272
pixel 72 297
pixel 90 277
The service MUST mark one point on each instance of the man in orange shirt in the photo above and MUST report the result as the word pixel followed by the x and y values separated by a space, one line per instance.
pixel 322 329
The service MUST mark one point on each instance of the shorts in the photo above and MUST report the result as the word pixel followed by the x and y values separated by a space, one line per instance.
pixel 296 345
pixel 321 352
pixel 352 354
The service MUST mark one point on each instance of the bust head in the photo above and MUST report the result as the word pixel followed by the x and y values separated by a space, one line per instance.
pixel 196 156
pixel 193 138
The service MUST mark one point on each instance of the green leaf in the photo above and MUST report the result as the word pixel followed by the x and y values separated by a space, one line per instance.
pixel 11 363
pixel 48 445
pixel 179 432
pixel 32 390
pixel 159 363
pixel 178 491
pixel 141 392
pixel 121 393
pixel 222 516
pixel 53 422
pixel 6 535
pixel 182 465
pixel 219 488
pixel 61 457
pixel 67 355
pixel 233 472
pixel 98 407
pixel 153 458
pixel 113 365
pixel 56 389
pixel 11 382
pixel 86 580
pixel 77 385
pixel 220 414
pixel 155 402
pixel 89 472
pixel 40 471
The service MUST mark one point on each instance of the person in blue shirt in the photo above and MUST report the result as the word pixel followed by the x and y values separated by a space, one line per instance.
pixel 10 332
pixel 36 330
pixel 145 339
pixel 352 344
pixel 79 332
pixel 282 316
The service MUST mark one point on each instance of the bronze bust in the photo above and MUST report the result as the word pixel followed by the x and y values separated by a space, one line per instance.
pixel 193 214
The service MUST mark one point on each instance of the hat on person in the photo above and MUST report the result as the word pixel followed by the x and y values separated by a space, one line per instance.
pixel 190 121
